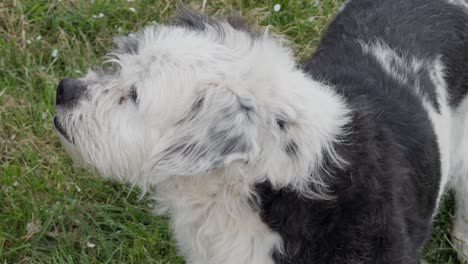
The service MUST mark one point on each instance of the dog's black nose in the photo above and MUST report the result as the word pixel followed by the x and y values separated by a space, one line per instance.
pixel 69 91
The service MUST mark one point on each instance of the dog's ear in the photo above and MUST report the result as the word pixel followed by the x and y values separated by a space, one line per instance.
pixel 220 128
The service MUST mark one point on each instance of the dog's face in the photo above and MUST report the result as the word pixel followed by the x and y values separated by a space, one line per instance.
pixel 176 104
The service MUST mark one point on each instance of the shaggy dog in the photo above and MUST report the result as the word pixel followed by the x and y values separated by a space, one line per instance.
pixel 259 160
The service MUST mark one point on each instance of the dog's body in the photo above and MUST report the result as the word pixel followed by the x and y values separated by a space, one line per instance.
pixel 258 161
pixel 403 67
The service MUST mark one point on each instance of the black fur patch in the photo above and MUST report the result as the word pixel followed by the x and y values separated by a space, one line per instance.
pixel 196 21
pixel 188 18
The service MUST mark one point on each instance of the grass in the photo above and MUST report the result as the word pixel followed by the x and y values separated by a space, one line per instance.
pixel 51 212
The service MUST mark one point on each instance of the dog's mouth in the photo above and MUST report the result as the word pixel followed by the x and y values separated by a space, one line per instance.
pixel 60 129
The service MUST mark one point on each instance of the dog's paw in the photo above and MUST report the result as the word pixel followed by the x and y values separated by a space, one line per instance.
pixel 460 241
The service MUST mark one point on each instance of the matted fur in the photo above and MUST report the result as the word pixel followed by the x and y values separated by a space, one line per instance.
pixel 259 160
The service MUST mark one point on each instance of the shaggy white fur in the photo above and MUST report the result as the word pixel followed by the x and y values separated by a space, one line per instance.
pixel 206 127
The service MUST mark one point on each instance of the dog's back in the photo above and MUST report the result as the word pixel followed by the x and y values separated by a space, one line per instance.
pixel 419 29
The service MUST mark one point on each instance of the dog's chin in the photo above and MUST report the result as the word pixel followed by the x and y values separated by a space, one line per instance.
pixel 61 131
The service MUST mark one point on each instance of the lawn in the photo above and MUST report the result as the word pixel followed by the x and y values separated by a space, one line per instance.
pixel 52 212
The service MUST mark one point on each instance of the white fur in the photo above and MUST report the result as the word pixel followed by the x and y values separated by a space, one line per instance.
pixel 461 3
pixel 211 217
pixel 442 122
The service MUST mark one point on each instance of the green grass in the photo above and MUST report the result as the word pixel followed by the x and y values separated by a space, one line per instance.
pixel 51 212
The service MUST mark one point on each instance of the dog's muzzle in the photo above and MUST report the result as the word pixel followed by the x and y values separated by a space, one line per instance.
pixel 69 92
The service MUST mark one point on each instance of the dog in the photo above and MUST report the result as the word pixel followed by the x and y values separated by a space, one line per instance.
pixel 257 159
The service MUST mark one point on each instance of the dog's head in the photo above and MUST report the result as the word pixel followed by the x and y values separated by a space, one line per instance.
pixel 183 99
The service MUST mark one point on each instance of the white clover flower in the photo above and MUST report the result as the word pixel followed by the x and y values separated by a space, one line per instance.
pixel 100 15
pixel 90 245
pixel 277 7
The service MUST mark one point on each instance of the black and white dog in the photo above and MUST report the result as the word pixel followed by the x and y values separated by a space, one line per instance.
pixel 259 160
